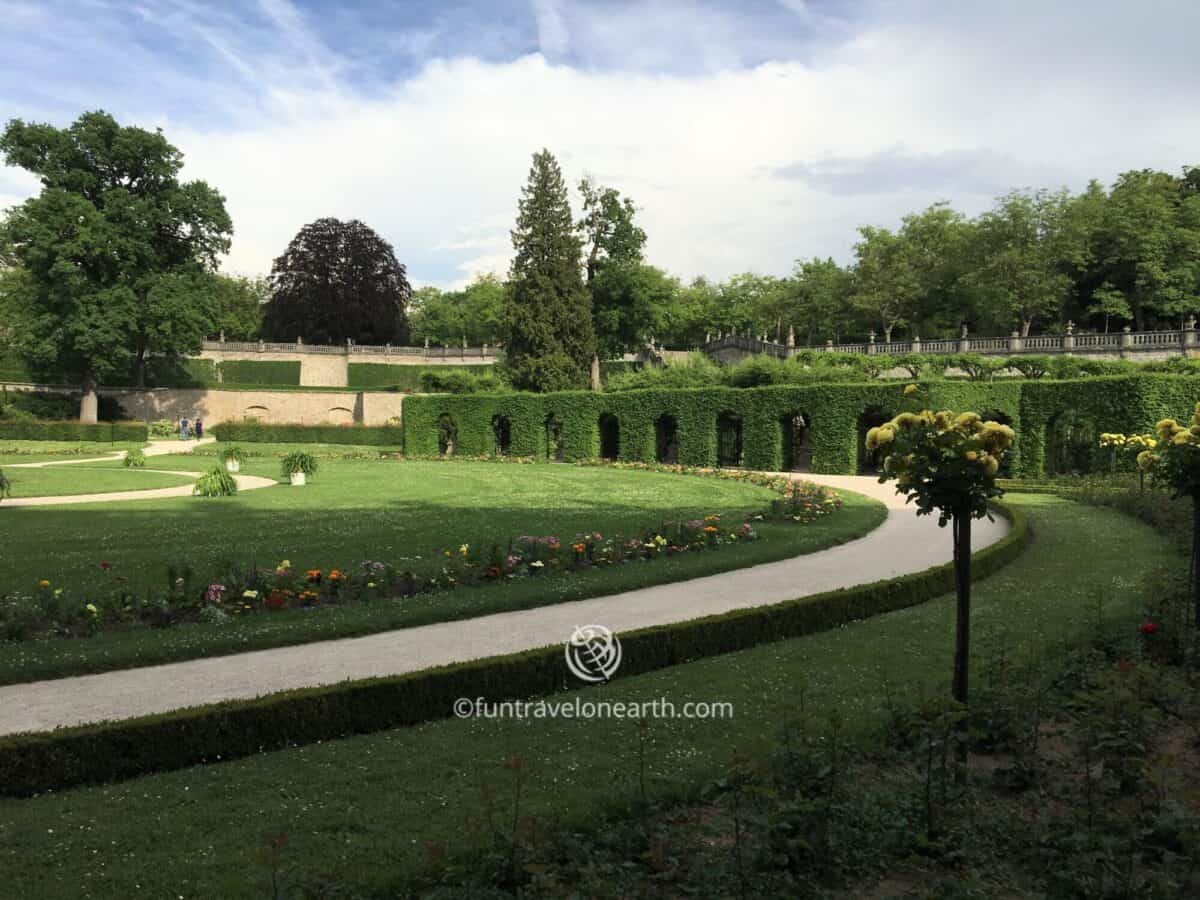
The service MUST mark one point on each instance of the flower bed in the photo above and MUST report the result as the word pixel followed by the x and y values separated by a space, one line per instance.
pixel 52 610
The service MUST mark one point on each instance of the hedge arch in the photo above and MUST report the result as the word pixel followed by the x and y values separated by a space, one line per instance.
pixel 609 429
pixel 730 439
pixel 1118 403
pixel 502 430
pixel 1071 444
pixel 447 435
pixel 795 442
pixel 871 417
pixel 553 447
pixel 666 439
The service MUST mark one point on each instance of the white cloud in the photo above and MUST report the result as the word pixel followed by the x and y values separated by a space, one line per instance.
pixel 891 116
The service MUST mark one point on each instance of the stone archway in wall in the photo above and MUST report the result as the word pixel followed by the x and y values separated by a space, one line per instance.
pixel 729 439
pixel 502 433
pixel 795 434
pixel 610 436
pixel 259 413
pixel 666 439
pixel 340 415
pixel 447 432
pixel 869 461
pixel 1071 447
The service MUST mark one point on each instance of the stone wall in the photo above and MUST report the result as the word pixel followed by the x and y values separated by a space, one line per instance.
pixel 214 405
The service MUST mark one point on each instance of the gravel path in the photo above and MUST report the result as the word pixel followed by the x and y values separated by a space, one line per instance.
pixel 158 448
pixel 904 543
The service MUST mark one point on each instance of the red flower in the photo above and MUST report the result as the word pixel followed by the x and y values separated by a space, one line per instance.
pixel 1148 627
pixel 106 565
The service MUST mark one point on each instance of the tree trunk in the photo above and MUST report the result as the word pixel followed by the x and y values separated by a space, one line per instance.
pixel 961 526
pixel 140 368
pixel 595 374
pixel 1026 324
pixel 89 404
pixel 887 334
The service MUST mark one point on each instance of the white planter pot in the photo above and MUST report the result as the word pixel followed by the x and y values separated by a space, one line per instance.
pixel 297 479
pixel 232 465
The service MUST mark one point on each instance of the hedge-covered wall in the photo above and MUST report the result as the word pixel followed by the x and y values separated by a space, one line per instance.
pixel 380 376
pixel 833 413
pixel 265 372
pixel 74 431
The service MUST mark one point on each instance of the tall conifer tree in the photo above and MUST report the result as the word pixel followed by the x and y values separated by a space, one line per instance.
pixel 548 316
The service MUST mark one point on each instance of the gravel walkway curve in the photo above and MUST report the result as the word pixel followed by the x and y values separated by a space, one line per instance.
pixel 904 543
pixel 159 448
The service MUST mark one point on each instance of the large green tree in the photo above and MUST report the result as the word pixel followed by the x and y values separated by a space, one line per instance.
pixel 240 302
pixel 629 298
pixel 117 252
pixel 550 340
pixel 474 314
pixel 886 286
pixel 1150 247
pixel 338 281
pixel 820 311
pixel 1027 246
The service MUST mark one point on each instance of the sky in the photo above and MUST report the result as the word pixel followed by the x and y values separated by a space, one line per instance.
pixel 749 134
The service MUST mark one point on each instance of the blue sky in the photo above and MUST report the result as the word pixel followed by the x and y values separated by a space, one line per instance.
pixel 750 134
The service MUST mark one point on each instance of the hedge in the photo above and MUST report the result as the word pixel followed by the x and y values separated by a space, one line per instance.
pixel 834 413
pixel 252 433
pixel 266 372
pixel 135 432
pixel 31 764
pixel 378 376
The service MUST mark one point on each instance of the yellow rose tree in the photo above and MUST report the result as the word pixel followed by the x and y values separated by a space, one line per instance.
pixel 947 463
pixel 1175 465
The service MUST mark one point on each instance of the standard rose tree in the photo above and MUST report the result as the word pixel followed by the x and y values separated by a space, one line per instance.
pixel 947 463
pixel 1175 465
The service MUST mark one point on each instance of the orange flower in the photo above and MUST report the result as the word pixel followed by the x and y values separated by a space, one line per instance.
pixel 43 583
pixel 579 548
pixel 711 529
pixel 314 575
pixel 335 575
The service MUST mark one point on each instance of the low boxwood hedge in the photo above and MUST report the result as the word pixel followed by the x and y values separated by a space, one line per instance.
pixel 254 433
pixel 35 763
pixel 137 432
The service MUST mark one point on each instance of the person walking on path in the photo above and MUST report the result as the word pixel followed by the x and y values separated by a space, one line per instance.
pixel 184 429
pixel 199 428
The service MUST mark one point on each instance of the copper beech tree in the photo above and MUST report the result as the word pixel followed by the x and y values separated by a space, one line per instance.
pixel 947 463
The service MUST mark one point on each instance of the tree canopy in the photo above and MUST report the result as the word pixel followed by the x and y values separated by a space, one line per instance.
pixel 117 253
pixel 338 281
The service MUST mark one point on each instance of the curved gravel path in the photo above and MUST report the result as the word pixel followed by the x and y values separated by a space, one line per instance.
pixel 159 448
pixel 904 543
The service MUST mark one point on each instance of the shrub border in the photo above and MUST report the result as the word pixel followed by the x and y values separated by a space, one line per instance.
pixel 112 432
pixel 112 751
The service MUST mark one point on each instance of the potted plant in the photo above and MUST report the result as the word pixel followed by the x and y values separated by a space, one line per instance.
pixel 298 466
pixel 232 457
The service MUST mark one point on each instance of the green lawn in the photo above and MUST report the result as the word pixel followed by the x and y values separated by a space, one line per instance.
pixel 387 510
pixel 362 806
pixel 44 451
pixel 55 481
